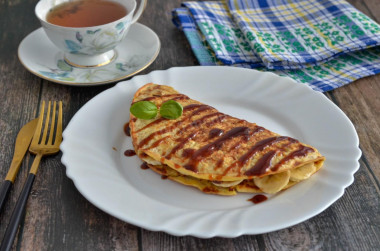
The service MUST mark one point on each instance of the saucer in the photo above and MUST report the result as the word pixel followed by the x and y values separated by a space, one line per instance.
pixel 42 58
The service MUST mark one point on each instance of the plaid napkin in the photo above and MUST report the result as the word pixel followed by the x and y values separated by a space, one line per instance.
pixel 287 34
pixel 223 34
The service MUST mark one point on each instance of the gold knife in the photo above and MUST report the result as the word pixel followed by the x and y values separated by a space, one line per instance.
pixel 24 137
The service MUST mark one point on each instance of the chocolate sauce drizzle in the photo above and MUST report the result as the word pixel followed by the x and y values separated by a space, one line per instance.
pixel 127 129
pixel 175 96
pixel 258 198
pixel 177 124
pixel 156 143
pixel 157 121
pixel 215 145
pixel 261 165
pixel 129 153
pixel 144 166
pixel 259 146
pixel 221 137
pixel 202 120
pixel 215 132
pixel 186 153
pixel 181 144
pixel 301 152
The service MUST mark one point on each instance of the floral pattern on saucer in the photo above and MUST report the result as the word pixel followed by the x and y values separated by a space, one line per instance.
pixel 115 70
pixel 136 52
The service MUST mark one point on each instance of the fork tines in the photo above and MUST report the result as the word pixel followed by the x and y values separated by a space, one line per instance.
pixel 50 124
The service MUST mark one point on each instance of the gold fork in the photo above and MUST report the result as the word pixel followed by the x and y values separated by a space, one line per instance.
pixel 45 141
pixel 45 146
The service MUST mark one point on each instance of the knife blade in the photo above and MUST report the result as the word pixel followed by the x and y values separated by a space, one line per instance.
pixel 23 139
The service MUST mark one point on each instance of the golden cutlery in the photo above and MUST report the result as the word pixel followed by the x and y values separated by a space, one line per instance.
pixel 45 141
pixel 23 139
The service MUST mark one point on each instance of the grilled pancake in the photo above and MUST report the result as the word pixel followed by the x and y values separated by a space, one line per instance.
pixel 215 152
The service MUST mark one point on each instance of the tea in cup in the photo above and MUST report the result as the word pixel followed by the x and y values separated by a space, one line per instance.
pixel 87 30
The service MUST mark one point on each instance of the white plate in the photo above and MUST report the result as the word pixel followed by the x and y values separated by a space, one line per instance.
pixel 42 58
pixel 94 143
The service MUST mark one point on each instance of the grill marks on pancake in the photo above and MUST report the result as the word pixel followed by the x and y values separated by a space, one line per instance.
pixel 262 164
pixel 265 161
pixel 300 152
pixel 202 120
pixel 156 143
pixel 192 126
pixel 236 146
pixel 198 109
pixel 219 164
pixel 187 152
pixel 166 97
pixel 257 129
pixel 181 144
pixel 157 121
pixel 220 137
pixel 259 146
pixel 208 149
pixel 215 132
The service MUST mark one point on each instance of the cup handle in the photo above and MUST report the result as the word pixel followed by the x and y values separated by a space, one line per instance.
pixel 139 11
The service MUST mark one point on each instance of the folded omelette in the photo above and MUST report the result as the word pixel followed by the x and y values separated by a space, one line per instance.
pixel 215 152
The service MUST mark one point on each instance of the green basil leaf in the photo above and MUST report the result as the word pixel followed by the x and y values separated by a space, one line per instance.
pixel 144 110
pixel 171 109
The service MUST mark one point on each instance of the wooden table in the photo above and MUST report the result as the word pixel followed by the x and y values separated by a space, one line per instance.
pixel 58 217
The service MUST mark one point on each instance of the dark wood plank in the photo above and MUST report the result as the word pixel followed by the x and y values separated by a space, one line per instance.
pixel 368 7
pixel 361 105
pixel 19 93
pixel 58 217
pixel 162 241
pixel 175 50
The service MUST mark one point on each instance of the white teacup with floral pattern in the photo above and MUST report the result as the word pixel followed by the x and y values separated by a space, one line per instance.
pixel 89 46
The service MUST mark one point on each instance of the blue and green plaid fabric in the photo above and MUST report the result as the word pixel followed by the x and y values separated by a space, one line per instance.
pixel 288 34
pixel 221 32
pixel 218 40
pixel 185 22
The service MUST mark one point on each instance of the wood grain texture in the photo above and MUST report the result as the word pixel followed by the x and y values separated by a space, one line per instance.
pixel 361 102
pixel 58 217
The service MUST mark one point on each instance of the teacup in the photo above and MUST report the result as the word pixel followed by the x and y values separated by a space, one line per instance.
pixel 89 46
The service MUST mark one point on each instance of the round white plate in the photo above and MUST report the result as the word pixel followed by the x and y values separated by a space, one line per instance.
pixel 94 143
pixel 42 58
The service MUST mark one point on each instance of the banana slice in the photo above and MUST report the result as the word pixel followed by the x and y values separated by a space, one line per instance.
pixel 226 183
pixel 273 183
pixel 303 172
